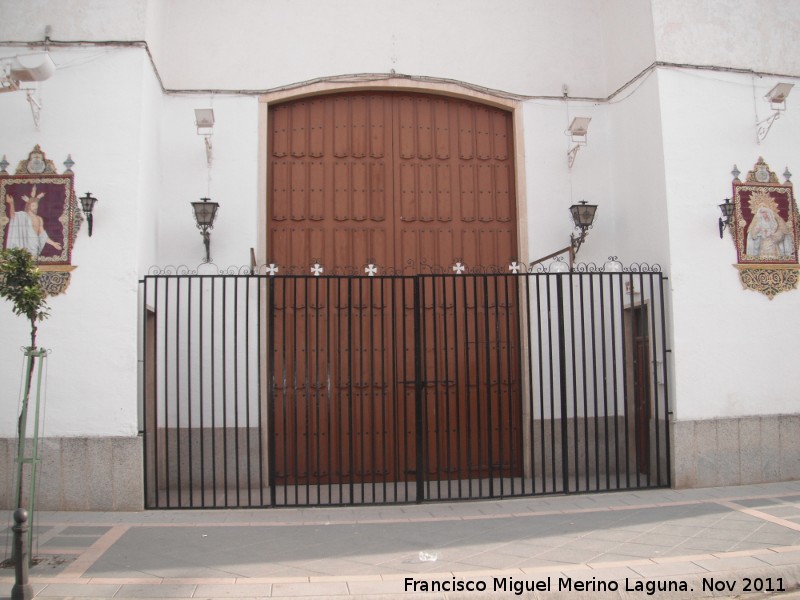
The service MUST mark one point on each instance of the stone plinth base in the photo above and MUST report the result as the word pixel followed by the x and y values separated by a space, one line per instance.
pixel 744 450
pixel 97 473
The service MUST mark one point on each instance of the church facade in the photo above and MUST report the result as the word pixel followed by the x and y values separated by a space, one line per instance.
pixel 352 135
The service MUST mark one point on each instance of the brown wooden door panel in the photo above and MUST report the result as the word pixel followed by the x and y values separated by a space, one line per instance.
pixel 406 182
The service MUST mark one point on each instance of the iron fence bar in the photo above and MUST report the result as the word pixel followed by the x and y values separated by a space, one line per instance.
pixel 640 315
pixel 330 383
pixel 384 388
pixel 361 386
pixel 531 392
pixel 468 385
pixel 448 392
pixel 342 374
pixel 574 373
pixel 350 352
pixel 540 337
pixel 434 388
pixel 166 393
pixel 478 402
pixel 369 384
pixel 418 392
pixel 287 384
pixel 178 391
pixel 585 392
pixel 247 390
pixel 213 322
pixel 562 382
pixel 406 431
pixel 604 353
pixel 260 390
pixel 614 385
pixel 201 362
pixel 189 387
pixel 427 428
pixel 393 389
pixel 224 321
pixel 305 388
pixel 236 445
pixel 625 395
pixel 271 463
pixel 291 399
pixel 456 388
pixel 488 400
pixel 513 324
pixel 499 384
pixel 145 413
pixel 664 372
pixel 554 471
pixel 594 384
pixel 653 364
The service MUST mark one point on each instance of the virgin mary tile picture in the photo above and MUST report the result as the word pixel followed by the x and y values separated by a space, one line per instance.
pixel 765 231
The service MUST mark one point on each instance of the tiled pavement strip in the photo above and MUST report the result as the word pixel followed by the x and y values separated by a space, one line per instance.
pixel 628 538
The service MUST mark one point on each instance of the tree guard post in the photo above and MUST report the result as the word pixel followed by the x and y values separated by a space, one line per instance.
pixel 22 589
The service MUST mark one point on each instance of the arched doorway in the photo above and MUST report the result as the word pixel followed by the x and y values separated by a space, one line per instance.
pixel 410 183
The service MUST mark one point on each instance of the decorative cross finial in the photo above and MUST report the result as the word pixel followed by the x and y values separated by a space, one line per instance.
pixel 317 269
pixel 514 267
pixel 371 270
pixel 272 269
pixel 458 268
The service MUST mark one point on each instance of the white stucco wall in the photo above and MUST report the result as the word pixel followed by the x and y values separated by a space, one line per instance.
pixel 512 45
pixel 185 177
pixel 727 340
pixel 93 110
pixel 657 162
pixel 86 20
pixel 739 34
pixel 636 161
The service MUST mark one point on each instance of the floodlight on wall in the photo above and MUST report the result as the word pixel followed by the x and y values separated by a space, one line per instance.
pixel 26 68
pixel 205 213
pixel 18 71
pixel 577 132
pixel 777 102
pixel 583 218
pixel 87 204
pixel 204 121
pixel 726 208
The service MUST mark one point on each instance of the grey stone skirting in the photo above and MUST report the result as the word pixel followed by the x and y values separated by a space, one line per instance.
pixel 80 473
pixel 106 473
pixel 719 452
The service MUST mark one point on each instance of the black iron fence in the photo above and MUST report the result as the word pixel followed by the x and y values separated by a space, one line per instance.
pixel 270 390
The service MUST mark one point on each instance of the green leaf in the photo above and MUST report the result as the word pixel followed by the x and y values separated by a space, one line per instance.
pixel 21 284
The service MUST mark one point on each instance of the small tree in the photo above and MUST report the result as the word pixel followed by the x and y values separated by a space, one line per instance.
pixel 21 284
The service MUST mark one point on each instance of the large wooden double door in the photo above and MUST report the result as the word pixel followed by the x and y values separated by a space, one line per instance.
pixel 411 184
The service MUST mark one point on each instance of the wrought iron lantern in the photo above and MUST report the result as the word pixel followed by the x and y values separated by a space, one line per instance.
pixel 727 213
pixel 583 216
pixel 87 204
pixel 205 213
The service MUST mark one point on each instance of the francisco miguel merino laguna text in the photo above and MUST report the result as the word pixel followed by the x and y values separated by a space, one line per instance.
pixel 562 584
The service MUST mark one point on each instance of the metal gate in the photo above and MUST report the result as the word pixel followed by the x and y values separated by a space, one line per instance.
pixel 302 389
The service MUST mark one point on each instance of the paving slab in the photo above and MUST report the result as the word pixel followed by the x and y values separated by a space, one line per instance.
pixel 707 543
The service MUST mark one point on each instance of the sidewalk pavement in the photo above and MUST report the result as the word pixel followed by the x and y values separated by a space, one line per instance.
pixel 723 542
